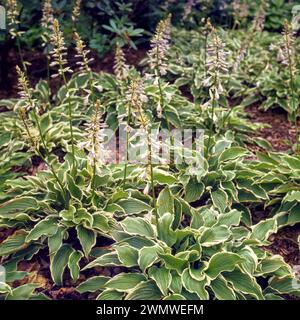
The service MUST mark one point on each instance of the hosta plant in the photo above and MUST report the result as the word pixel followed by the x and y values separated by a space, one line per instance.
pixel 192 254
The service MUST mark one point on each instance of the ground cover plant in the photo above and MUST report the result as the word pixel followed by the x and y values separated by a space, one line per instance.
pixel 148 174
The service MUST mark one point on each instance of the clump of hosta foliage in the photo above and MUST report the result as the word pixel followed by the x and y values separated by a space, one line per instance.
pixel 191 253
pixel 179 231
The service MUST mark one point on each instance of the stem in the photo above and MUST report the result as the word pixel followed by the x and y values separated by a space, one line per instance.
pixel 292 90
pixel 20 54
pixel 127 142
pixel 152 176
pixel 211 124
pixel 150 162
pixel 41 155
pixel 127 156
pixel 93 178
pixel 70 115
pixel 48 75
pixel 205 53
pixel 162 101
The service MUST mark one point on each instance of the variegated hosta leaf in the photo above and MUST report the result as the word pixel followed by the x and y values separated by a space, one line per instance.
pixel 59 262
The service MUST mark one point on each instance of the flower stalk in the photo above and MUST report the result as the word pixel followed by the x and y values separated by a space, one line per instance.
pixel 216 66
pixel 136 98
pixel 47 22
pixel 25 93
pixel 288 54
pixel 13 27
pixel 59 53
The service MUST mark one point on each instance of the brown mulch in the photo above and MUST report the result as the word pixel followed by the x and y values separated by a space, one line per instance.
pixel 285 243
pixel 280 133
pixel 37 67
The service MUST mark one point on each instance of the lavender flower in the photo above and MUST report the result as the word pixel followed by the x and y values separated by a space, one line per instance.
pixel 216 65
pixel 257 27
pixel 59 51
pixel 160 45
pixel 95 138
pixel 120 66
pixel 240 10
pixel 188 9
pixel 25 91
pixel 82 54
pixel 287 46
pixel 76 11
pixel 12 18
pixel 260 17
pixel 48 16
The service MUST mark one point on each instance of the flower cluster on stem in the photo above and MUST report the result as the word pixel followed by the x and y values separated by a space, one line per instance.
pixel 83 54
pixel 160 45
pixel 76 11
pixel 59 51
pixel 257 27
pixel 121 68
pixel 12 18
pixel 47 19
pixel 216 65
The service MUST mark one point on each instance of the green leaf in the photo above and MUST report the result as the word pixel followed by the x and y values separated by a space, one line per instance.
pixel 256 190
pixel 145 291
pixel 174 296
pixel 195 286
pixel 270 265
pixel 214 235
pixel 124 282
pixel 138 226
pixel 59 262
pixel 162 278
pixel 233 153
pixel 244 282
pixel 23 292
pixel 193 191
pixel 222 290
pixel 13 243
pixel 219 199
pixel 163 177
pixel 18 205
pixel 263 229
pixel 127 255
pixel 222 261
pixel 47 227
pixel 286 285
pixel 73 264
pixel 292 196
pixel 148 256
pixel 229 219
pixel 73 188
pixel 87 239
pixel 173 263
pixel 165 231
pixel 134 206
pixel 294 216
pixel 110 295
pixel 55 241
pixel 165 202
pixel 101 223
pixel 107 260
pixel 92 284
